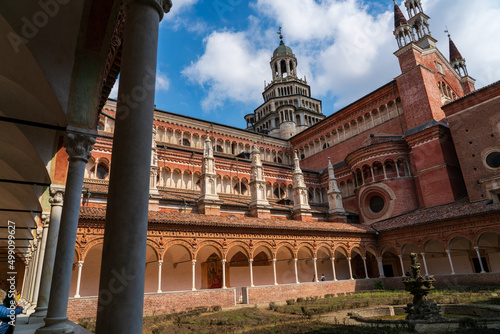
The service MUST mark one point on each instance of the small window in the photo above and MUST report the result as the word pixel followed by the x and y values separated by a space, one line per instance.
pixel 102 172
pixel 278 160
pixel 377 204
pixel 302 157
pixel 493 159
pixel 100 126
pixel 185 142
pixel 218 148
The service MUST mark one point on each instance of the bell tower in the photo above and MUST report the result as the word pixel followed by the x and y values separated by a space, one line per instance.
pixel 288 107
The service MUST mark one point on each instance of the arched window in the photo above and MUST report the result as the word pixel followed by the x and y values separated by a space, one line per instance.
pixel 102 171
pixel 100 126
pixel 278 160
pixel 184 142
pixel 218 148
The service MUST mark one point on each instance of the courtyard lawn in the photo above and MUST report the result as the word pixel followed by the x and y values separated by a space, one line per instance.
pixel 299 316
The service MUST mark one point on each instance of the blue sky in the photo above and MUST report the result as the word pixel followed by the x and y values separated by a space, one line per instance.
pixel 214 55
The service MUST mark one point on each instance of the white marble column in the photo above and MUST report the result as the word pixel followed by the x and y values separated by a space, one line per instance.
pixel 194 274
pixel 224 274
pixel 42 246
pixel 296 271
pixel 79 279
pixel 274 272
pixel 315 270
pixel 333 269
pixel 402 266
pixel 381 267
pixel 56 202
pixel 366 268
pixel 28 278
pixel 160 262
pixel 451 262
pixel 78 144
pixel 425 264
pixel 33 274
pixel 25 277
pixel 350 268
pixel 121 286
pixel 480 261
pixel 250 262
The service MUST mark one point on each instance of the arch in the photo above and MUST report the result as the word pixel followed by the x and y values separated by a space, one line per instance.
pixel 391 262
pixel 436 258
pixel 489 248
pixel 177 266
pixel 462 254
pixel 89 283
pixel 285 266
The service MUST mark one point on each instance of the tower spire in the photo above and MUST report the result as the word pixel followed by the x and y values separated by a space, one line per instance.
pixel 402 30
pixel 456 59
pixel 419 24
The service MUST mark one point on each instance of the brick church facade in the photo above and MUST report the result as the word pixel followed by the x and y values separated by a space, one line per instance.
pixel 412 167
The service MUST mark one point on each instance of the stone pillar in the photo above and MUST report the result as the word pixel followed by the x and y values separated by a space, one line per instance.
pixel 480 261
pixel 56 201
pixel 402 266
pixel 79 279
pixel 194 275
pixel 366 268
pixel 224 274
pixel 25 277
pixel 381 267
pixel 250 262
pixel 296 272
pixel 43 244
pixel 160 262
pixel 121 287
pixel 209 202
pixel 274 271
pixel 451 262
pixel 350 268
pixel 315 270
pixel 38 272
pixel 425 264
pixel 333 269
pixel 34 260
pixel 78 143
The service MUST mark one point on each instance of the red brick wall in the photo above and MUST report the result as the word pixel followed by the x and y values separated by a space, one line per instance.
pixel 164 303
pixel 161 303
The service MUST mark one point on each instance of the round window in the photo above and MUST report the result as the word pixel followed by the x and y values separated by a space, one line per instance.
pixel 377 204
pixel 493 159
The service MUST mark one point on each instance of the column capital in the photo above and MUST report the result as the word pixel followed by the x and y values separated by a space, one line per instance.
pixel 80 264
pixel 274 260
pixel 476 248
pixel 162 6
pixel 333 259
pixel 160 262
pixel 315 259
pixel 56 196
pixel 45 219
pixel 79 143
pixel 364 258
pixel 193 262
pixel 224 261
pixel 295 259
pixel 250 260
pixel 447 251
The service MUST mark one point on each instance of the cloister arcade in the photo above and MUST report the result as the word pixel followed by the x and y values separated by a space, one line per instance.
pixel 180 267
pixel 381 170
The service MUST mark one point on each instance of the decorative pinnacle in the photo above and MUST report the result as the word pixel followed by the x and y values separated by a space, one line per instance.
pixel 447 32
pixel 279 33
pixel 394 2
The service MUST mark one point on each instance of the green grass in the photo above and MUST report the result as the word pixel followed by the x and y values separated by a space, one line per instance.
pixel 298 317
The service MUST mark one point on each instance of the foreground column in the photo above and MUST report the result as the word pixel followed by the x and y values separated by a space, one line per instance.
pixel 451 262
pixel 78 143
pixel 274 271
pixel 160 262
pixel 121 285
pixel 56 202
pixel 224 274
pixel 79 279
pixel 480 261
pixel 333 269
pixel 43 244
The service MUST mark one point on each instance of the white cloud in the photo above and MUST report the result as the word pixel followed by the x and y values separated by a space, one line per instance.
pixel 178 6
pixel 114 91
pixel 231 68
pixel 344 49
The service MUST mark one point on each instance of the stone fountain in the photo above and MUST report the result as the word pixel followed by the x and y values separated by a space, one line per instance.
pixel 421 308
